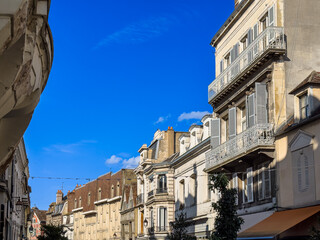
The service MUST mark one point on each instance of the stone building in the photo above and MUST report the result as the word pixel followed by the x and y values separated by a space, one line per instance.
pixel 129 212
pixel 57 209
pixel 263 51
pixel 38 219
pixel 14 196
pixel 94 208
pixel 26 54
pixel 192 194
pixel 155 184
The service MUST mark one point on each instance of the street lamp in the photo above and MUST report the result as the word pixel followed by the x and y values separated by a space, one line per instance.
pixel 145 222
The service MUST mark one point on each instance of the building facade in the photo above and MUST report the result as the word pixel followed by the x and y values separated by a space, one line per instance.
pixel 38 219
pixel 26 54
pixel 261 56
pixel 14 196
pixel 94 208
pixel 155 184
pixel 191 184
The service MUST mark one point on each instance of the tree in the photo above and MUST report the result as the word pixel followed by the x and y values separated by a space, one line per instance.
pixel 315 233
pixel 227 223
pixel 51 232
pixel 179 228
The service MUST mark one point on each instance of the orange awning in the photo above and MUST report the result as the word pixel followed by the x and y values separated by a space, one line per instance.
pixel 278 223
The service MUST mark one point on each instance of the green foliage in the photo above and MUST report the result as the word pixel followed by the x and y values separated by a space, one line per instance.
pixel 227 223
pixel 315 233
pixel 179 228
pixel 51 232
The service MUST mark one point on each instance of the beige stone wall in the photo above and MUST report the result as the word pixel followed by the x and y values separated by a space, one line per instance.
pixel 288 196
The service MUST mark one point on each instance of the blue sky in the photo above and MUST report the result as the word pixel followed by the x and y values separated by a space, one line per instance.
pixel 122 69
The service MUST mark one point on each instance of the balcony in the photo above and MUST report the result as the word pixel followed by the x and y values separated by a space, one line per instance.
pixel 140 199
pixel 162 190
pixel 260 135
pixel 150 194
pixel 269 41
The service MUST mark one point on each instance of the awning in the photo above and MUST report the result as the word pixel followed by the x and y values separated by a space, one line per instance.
pixel 278 223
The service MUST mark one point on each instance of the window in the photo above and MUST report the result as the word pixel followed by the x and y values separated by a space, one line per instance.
pixel 226 128
pixel 80 201
pixel 162 219
pixel 89 198
pixel 162 183
pixel 151 218
pixel 112 191
pixel 244 42
pixel 118 189
pixel 264 181
pixel 227 59
pixel 247 186
pixel 99 194
pixel 193 189
pixel 181 192
pixel 304 106
pixel 75 203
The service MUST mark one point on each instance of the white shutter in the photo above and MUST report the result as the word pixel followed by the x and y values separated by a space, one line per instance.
pixel 271 16
pixel 255 31
pixel 235 184
pixel 215 133
pixel 250 110
pixel 232 122
pixel 250 184
pixel 221 66
pixel 250 36
pixel 261 103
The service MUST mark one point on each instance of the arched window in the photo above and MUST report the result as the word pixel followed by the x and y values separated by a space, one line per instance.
pixel 89 198
pixel 99 194
pixel 118 189
pixel 75 203
pixel 80 201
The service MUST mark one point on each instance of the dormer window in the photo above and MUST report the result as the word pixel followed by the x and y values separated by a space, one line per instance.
pixel 304 106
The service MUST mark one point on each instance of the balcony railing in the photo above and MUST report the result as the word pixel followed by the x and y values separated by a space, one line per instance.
pixel 258 135
pixel 162 229
pixel 162 190
pixel 271 38
pixel 150 194
pixel 140 199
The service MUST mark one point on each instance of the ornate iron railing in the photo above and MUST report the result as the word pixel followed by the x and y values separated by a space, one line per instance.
pixel 271 38
pixel 258 135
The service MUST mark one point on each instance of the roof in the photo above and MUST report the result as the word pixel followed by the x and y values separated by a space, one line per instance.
pixel 41 214
pixel 278 223
pixel 313 78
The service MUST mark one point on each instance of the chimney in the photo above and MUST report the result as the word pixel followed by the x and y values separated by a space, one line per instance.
pixel 171 141
pixel 59 197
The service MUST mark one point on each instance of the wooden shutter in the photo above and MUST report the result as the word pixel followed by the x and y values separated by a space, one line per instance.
pixel 267 181
pixel 261 103
pixel 271 17
pixel 250 110
pixel 232 122
pixel 221 66
pixel 250 36
pixel 215 133
pixel 250 184
pixel 255 31
pixel 235 184
pixel 260 182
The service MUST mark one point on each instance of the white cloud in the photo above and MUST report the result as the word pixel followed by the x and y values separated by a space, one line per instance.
pixel 139 32
pixel 162 119
pixel 192 115
pixel 126 163
pixel 131 162
pixel 69 147
pixel 113 160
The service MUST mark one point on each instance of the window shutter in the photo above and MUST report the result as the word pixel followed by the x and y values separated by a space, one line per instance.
pixel 232 122
pixel 215 133
pixel 250 184
pixel 250 36
pixel 255 31
pixel 236 51
pixel 267 181
pixel 221 66
pixel 250 110
pixel 260 183
pixel 235 184
pixel 165 218
pixel 261 103
pixel 159 217
pixel 232 55
pixel 271 16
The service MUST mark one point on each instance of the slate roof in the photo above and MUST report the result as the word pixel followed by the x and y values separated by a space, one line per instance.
pixel 312 79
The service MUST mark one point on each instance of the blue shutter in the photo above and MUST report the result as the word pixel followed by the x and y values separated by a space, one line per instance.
pixel 232 122
pixel 261 103
pixel 215 133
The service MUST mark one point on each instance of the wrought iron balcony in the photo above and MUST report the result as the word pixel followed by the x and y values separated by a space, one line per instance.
pixel 162 190
pixel 271 39
pixel 150 194
pixel 260 135
pixel 140 199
